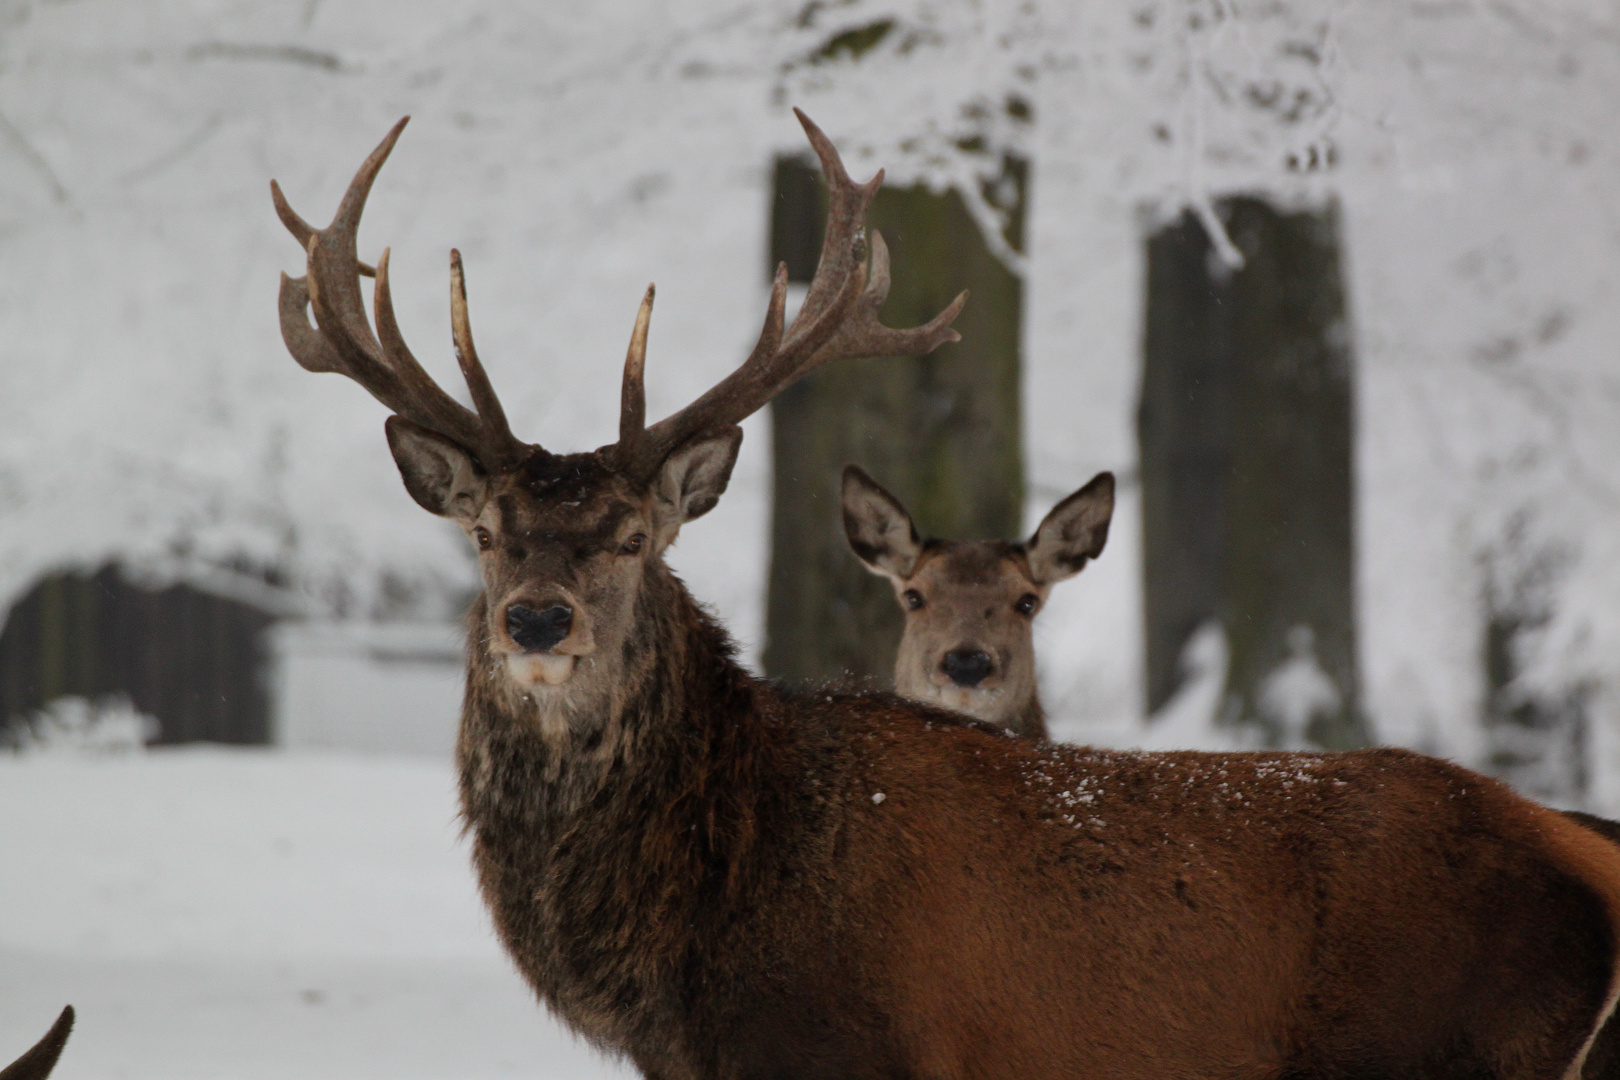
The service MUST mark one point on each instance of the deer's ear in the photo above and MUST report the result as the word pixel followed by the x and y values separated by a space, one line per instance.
pixel 879 530
pixel 1075 531
pixel 692 480
pixel 439 474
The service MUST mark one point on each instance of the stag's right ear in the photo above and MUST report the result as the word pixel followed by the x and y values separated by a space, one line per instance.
pixel 880 531
pixel 439 474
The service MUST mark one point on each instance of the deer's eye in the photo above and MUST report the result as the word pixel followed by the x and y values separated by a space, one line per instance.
pixel 1025 605
pixel 482 538
pixel 633 545
pixel 913 599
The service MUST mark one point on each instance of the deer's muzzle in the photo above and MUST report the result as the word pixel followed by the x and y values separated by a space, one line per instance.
pixel 544 637
pixel 539 631
pixel 967 667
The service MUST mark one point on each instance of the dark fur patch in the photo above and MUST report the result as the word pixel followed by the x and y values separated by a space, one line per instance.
pixel 972 562
pixel 867 553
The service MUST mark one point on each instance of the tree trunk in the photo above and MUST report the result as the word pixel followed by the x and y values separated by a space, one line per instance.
pixel 941 432
pixel 1245 427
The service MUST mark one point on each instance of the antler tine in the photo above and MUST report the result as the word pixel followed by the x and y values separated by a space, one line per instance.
pixel 863 334
pixel 773 363
pixel 342 340
pixel 633 390
pixel 301 229
pixel 334 277
pixel 312 351
pixel 496 430
pixel 419 399
pixel 842 245
pixel 719 405
pixel 838 319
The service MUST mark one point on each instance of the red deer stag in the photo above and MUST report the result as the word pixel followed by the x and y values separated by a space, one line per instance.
pixel 970 605
pixel 41 1058
pixel 722 878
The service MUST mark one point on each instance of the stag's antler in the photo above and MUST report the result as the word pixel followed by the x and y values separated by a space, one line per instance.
pixel 342 341
pixel 838 321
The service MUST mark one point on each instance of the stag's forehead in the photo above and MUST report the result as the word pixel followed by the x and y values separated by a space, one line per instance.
pixel 972 563
pixel 573 493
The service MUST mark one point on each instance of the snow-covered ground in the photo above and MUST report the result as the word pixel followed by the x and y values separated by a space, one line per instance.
pixel 223 914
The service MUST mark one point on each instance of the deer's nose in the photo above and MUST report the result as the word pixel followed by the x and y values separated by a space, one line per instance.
pixel 967 667
pixel 538 631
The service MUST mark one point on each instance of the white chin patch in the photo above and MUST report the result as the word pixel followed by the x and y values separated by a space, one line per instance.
pixel 963 699
pixel 539 669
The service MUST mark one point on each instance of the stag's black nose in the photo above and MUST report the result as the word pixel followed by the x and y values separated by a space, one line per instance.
pixel 967 667
pixel 537 631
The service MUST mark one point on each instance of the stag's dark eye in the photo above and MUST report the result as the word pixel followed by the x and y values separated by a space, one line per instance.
pixel 482 538
pixel 913 599
pixel 1025 605
pixel 633 545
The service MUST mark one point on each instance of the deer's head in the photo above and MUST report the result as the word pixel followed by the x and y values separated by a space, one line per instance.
pixel 970 605
pixel 566 542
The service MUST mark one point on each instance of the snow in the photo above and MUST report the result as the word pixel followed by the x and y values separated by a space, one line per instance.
pixel 394 687
pixel 576 152
pixel 1191 718
pixel 77 726
pixel 1297 691
pixel 251 913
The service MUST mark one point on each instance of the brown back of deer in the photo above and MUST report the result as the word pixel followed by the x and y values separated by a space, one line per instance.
pixel 970 606
pixel 41 1058
pixel 1604 1060
pixel 723 879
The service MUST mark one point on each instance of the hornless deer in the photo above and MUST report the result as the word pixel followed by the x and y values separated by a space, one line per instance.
pixel 41 1058
pixel 723 878
pixel 970 605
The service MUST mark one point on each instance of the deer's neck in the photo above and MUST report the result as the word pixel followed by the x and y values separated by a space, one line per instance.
pixel 580 832
pixel 1030 718
pixel 536 763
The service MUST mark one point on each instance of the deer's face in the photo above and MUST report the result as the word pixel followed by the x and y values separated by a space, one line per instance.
pixel 968 644
pixel 970 606
pixel 561 548
pixel 564 544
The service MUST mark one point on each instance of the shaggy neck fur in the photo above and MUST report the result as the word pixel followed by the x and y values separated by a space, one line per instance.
pixel 609 833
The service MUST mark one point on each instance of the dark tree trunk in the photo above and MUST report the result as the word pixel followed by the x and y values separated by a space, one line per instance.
pixel 941 432
pixel 1247 494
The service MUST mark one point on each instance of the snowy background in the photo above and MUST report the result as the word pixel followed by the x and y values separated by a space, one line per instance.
pixel 300 913
pixel 237 915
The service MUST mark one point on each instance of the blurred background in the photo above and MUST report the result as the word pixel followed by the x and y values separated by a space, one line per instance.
pixel 1332 287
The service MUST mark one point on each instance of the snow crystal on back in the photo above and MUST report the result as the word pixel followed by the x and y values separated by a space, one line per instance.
pixel 1080 783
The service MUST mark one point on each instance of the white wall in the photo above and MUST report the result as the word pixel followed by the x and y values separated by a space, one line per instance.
pixel 376 687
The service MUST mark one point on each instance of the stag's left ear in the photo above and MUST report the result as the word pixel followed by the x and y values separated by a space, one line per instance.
pixel 1075 530
pixel 692 480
